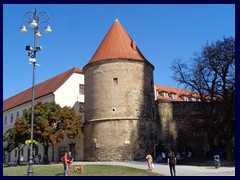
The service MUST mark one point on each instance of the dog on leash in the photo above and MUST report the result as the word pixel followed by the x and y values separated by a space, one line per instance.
pixel 79 168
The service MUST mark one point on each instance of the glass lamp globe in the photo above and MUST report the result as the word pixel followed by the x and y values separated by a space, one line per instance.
pixel 33 24
pixel 23 29
pixel 38 34
pixel 48 29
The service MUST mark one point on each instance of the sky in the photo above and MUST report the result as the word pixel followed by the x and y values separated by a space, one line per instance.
pixel 163 32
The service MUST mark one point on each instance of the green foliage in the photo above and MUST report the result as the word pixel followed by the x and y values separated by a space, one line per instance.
pixel 15 137
pixel 52 124
pixel 9 137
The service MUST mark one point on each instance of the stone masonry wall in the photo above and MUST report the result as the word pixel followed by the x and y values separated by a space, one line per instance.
pixel 174 126
pixel 118 109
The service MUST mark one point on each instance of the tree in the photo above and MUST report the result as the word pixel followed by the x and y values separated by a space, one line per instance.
pixel 211 73
pixel 15 137
pixel 53 123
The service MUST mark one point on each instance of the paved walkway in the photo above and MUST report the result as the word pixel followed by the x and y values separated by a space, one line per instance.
pixel 181 170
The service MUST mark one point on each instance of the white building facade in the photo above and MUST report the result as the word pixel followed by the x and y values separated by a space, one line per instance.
pixel 65 89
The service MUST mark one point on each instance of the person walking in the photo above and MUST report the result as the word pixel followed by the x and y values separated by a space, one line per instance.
pixel 64 160
pixel 70 160
pixel 149 159
pixel 171 161
pixel 163 157
pixel 39 158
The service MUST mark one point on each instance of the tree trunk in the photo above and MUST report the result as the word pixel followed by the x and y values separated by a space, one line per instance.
pixel 18 159
pixel 45 155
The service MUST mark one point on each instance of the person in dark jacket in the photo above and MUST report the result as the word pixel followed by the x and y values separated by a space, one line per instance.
pixel 171 161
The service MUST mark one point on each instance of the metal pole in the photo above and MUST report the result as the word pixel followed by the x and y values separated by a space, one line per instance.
pixel 30 163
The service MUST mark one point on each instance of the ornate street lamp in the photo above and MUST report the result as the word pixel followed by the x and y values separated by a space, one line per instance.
pixel 34 20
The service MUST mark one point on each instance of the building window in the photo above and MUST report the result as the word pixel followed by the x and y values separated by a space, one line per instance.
pixel 5 120
pixel 185 98
pixel 12 118
pixel 81 107
pixel 115 81
pixel 193 99
pixel 174 96
pixel 81 88
pixel 165 94
pixel 17 113
pixel 24 111
pixel 15 153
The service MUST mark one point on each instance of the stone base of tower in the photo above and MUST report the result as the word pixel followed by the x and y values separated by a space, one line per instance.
pixel 113 140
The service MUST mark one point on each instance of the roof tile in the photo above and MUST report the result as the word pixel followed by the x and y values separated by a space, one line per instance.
pixel 180 93
pixel 117 44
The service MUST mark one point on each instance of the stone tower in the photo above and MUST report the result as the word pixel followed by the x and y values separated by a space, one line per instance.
pixel 120 121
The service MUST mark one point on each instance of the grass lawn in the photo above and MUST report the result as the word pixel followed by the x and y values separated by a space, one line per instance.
pixel 89 170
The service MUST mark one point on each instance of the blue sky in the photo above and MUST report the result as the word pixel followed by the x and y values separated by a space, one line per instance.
pixel 163 33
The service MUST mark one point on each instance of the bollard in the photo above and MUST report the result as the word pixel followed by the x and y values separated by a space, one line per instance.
pixel 216 161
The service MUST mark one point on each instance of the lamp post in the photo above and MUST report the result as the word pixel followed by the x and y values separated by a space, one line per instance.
pixel 34 20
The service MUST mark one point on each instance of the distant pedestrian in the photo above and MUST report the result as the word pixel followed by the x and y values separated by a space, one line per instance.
pixel 21 158
pixel 189 155
pixel 33 159
pixel 39 158
pixel 159 158
pixel 163 157
pixel 70 160
pixel 64 160
pixel 149 159
pixel 171 161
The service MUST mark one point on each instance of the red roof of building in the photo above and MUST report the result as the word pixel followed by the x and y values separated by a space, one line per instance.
pixel 117 44
pixel 47 87
pixel 175 94
pixel 51 85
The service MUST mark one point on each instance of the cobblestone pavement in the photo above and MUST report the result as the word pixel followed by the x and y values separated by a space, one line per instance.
pixel 181 170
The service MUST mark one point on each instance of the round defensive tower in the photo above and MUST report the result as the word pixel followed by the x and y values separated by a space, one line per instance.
pixel 119 100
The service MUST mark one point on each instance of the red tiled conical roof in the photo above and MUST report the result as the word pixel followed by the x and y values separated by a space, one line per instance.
pixel 117 44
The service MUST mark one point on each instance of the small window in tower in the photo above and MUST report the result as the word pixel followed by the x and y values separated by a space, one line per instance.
pixel 115 81
pixel 114 109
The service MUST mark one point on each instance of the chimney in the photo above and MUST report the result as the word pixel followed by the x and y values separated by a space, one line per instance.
pixel 134 45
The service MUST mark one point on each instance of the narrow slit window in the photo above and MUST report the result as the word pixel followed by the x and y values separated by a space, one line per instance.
pixel 115 81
